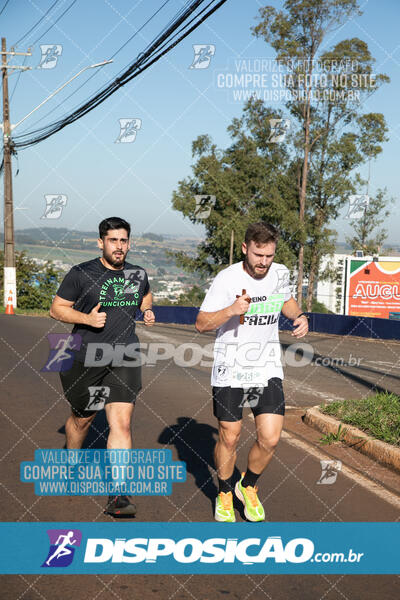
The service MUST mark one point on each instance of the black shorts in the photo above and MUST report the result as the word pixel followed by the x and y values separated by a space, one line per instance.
pixel 89 389
pixel 228 402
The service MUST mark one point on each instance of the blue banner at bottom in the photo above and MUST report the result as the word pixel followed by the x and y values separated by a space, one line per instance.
pixel 200 548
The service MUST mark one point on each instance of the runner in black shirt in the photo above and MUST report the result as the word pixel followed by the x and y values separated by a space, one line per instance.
pixel 101 298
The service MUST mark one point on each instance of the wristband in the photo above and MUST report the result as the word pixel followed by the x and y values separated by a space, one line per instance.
pixel 143 311
pixel 303 314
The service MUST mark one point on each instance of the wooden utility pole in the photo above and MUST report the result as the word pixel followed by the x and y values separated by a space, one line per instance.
pixel 10 279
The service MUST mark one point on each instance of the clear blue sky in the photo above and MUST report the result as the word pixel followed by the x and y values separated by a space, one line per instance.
pixel 175 103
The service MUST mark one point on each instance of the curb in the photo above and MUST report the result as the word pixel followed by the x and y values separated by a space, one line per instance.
pixel 382 452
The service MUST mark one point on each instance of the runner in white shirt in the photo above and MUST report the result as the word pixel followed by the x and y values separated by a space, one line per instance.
pixel 247 368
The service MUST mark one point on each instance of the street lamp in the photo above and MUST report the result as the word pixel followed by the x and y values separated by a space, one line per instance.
pixel 101 64
pixel 10 278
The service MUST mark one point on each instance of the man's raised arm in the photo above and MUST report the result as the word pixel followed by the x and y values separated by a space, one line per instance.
pixel 62 310
pixel 208 321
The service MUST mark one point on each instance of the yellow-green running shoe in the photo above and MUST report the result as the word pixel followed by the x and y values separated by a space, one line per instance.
pixel 253 509
pixel 224 508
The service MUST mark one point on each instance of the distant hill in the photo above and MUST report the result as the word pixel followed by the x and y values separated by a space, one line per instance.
pixel 86 240
pixel 46 235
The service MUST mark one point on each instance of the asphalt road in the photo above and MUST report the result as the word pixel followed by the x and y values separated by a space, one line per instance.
pixel 174 410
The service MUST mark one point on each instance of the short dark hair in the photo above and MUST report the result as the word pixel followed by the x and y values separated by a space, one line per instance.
pixel 113 223
pixel 261 233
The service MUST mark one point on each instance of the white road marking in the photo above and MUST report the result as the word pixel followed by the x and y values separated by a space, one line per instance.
pixel 310 390
pixel 382 362
pixel 363 481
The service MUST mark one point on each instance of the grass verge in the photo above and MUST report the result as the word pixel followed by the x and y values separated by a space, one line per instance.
pixel 378 415
pixel 32 312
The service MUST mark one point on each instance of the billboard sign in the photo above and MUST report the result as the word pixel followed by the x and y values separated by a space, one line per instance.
pixel 373 287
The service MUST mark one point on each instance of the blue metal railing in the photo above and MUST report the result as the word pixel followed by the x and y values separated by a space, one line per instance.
pixel 386 329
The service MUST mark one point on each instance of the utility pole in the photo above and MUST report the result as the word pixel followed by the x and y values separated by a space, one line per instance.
pixel 10 279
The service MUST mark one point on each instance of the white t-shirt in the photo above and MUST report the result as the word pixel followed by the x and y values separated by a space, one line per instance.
pixel 248 355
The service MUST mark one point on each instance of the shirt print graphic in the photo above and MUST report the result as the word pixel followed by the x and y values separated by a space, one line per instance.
pixel 264 310
pixel 114 292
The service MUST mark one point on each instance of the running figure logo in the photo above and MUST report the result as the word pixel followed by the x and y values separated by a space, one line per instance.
pixel 330 469
pixel 54 206
pixel 62 347
pixel 50 55
pixel 279 129
pixel 221 373
pixel 202 56
pixel 98 396
pixel 133 277
pixel 204 205
pixel 251 397
pixel 283 281
pixel 358 204
pixel 128 130
pixel 62 547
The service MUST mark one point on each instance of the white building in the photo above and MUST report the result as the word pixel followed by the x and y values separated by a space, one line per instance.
pixel 331 293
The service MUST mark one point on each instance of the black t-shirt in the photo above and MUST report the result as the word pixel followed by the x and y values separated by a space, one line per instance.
pixel 120 293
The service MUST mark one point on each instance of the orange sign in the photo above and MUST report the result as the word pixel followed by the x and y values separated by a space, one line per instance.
pixel 373 288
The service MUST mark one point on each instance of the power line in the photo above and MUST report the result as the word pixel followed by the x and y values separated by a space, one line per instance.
pixel 55 22
pixel 1 12
pixel 36 24
pixel 39 38
pixel 97 72
pixel 17 80
pixel 155 50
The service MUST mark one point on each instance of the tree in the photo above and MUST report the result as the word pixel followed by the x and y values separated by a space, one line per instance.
pixel 331 181
pixel 36 285
pixel 300 185
pixel 318 103
pixel 249 180
pixel 374 215
pixel 193 297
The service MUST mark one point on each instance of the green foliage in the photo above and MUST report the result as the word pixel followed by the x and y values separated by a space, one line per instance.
pixel 249 180
pixel 377 415
pixel 331 438
pixel 193 297
pixel 367 236
pixel 332 138
pixel 316 307
pixel 300 185
pixel 36 285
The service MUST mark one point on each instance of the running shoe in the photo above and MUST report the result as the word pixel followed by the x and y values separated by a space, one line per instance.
pixel 224 508
pixel 253 508
pixel 119 505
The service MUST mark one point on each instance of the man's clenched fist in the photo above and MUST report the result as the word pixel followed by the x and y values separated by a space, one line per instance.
pixel 149 318
pixel 241 305
pixel 95 318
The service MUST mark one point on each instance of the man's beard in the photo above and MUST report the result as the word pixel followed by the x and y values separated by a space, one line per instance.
pixel 112 259
pixel 251 270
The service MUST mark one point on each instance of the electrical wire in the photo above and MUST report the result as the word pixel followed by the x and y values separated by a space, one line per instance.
pixel 37 23
pixel 96 72
pixel 55 22
pixel 39 38
pixel 2 10
pixel 17 80
pixel 162 44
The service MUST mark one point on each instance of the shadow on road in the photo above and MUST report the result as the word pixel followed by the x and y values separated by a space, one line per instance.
pixel 372 387
pixel 195 444
pixel 97 434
